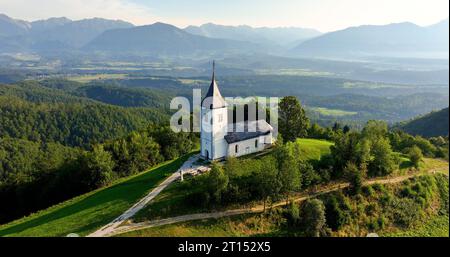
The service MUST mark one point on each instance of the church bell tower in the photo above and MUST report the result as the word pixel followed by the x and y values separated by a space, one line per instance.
pixel 214 123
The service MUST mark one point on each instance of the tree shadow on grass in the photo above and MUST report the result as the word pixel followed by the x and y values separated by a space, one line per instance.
pixel 121 195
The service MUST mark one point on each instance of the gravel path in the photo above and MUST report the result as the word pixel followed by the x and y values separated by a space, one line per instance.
pixel 188 167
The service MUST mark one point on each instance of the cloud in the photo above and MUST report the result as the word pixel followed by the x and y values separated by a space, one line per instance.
pixel 78 9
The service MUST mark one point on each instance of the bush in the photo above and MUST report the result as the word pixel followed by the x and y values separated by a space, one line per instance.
pixel 368 191
pixel 313 218
pixel 337 213
pixel 415 156
pixel 293 214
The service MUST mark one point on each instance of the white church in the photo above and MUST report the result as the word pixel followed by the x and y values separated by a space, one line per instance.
pixel 219 139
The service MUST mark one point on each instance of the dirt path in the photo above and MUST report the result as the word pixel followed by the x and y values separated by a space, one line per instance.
pixel 188 167
pixel 256 209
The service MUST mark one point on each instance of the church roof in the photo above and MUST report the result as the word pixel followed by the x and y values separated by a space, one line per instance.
pixel 213 99
pixel 245 130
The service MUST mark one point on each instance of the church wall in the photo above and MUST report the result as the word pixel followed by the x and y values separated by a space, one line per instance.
pixel 248 146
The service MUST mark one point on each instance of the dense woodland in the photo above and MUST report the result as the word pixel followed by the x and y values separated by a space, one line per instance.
pixel 56 144
pixel 35 175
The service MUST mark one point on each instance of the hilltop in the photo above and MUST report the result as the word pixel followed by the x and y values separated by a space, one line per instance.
pixel 430 125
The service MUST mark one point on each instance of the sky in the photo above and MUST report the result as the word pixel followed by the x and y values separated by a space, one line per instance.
pixel 324 15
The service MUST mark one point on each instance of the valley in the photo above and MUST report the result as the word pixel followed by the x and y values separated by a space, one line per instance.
pixel 359 145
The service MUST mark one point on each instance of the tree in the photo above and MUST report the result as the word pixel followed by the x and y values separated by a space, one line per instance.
pixel 308 174
pixel 232 167
pixel 346 129
pixel 347 148
pixel 415 156
pixel 293 214
pixel 98 168
pixel 289 176
pixel 382 161
pixel 337 127
pixel 313 218
pixel 375 129
pixel 217 182
pixel 355 177
pixel 266 180
pixel 316 131
pixel 293 122
pixel 288 172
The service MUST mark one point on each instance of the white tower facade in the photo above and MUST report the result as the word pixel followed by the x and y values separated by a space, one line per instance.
pixel 214 123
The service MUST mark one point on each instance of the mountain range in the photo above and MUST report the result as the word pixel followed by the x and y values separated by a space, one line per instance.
pixel 163 39
pixel 53 33
pixel 282 36
pixel 120 38
pixel 400 40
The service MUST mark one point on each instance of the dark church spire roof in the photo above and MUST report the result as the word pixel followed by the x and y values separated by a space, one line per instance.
pixel 213 99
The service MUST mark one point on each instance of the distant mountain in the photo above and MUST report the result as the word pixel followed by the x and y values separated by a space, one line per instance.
pixel 43 25
pixel 263 35
pixel 52 34
pixel 430 125
pixel 401 39
pixel 12 27
pixel 163 39
pixel 78 33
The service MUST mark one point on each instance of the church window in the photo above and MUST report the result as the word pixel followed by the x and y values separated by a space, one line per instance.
pixel 236 148
pixel 256 143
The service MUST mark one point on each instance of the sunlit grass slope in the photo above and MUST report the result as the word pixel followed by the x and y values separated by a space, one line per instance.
pixel 88 212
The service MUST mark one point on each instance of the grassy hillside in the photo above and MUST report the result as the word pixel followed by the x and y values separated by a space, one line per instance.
pixel 430 125
pixel 416 207
pixel 86 213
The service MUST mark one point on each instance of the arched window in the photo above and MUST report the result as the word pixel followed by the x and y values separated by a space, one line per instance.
pixel 236 148
pixel 256 143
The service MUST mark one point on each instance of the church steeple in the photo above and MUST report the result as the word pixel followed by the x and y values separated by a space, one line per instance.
pixel 213 96
pixel 214 71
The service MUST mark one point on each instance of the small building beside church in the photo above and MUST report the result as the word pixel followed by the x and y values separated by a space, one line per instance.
pixel 220 139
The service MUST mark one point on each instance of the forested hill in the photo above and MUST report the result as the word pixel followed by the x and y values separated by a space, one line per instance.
pixel 38 113
pixel 431 125
pixel 60 139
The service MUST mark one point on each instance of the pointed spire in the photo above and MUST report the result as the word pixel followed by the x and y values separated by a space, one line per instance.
pixel 214 71
pixel 216 100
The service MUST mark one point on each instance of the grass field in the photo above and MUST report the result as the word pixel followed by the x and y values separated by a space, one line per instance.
pixel 88 212
pixel 313 149
pixel 371 85
pixel 89 78
pixel 333 112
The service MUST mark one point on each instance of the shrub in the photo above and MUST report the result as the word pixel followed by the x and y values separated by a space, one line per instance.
pixel 313 218
pixel 337 213
pixel 368 191
pixel 415 156
pixel 293 214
